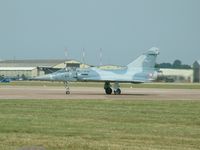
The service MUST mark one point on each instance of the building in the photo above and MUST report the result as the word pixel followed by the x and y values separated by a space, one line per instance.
pixel 177 75
pixel 30 63
pixel 25 68
pixel 19 72
pixel 196 70
pixel 71 64
pixel 32 68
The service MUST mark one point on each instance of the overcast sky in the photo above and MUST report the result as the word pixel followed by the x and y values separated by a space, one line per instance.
pixel 122 28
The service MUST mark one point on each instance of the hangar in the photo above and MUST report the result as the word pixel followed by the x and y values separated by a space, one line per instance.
pixel 177 75
pixel 32 68
pixel 30 63
pixel 19 72
pixel 24 68
pixel 71 64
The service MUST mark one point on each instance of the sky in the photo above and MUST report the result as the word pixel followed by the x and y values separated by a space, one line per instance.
pixel 123 29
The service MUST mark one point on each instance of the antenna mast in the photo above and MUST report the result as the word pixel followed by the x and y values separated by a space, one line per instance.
pixel 66 57
pixel 66 53
pixel 83 56
pixel 100 57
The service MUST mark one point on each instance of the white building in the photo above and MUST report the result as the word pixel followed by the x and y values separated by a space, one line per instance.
pixel 178 75
pixel 19 72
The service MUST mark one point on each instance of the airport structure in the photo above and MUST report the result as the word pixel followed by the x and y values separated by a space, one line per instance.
pixel 196 70
pixel 19 72
pixel 177 75
pixel 32 68
pixel 24 68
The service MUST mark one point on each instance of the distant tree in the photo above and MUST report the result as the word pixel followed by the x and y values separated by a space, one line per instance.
pixel 1 77
pixel 177 64
pixel 18 76
pixel 157 65
pixel 23 77
pixel 164 65
pixel 186 67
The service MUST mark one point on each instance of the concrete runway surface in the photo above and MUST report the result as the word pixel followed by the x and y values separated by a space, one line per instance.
pixel 31 92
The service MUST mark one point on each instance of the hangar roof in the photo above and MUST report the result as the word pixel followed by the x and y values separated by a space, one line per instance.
pixel 30 63
pixel 17 68
pixel 55 63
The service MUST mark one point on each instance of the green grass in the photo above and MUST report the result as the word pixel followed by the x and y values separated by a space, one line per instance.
pixel 100 124
pixel 96 84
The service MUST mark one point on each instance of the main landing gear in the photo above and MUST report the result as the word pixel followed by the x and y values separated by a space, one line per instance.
pixel 67 87
pixel 108 88
pixel 117 91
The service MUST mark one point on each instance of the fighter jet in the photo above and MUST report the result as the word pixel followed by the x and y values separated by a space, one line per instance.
pixel 140 70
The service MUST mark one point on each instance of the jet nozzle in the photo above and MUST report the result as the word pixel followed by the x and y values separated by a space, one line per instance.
pixel 153 76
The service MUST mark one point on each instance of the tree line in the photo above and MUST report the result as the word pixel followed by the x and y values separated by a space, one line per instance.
pixel 177 64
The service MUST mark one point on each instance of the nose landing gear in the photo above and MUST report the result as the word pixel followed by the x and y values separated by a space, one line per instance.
pixel 67 88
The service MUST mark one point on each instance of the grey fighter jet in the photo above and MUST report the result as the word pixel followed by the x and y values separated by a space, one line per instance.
pixel 140 70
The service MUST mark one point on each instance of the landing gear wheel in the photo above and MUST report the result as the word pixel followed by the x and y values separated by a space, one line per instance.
pixel 67 88
pixel 108 91
pixel 67 92
pixel 107 88
pixel 117 92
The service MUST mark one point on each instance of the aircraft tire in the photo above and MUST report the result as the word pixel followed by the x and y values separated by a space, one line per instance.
pixel 117 92
pixel 108 91
pixel 67 92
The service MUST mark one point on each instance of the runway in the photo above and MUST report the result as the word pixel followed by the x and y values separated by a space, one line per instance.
pixel 32 92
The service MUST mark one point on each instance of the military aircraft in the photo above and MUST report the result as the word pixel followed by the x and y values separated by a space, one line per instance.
pixel 139 71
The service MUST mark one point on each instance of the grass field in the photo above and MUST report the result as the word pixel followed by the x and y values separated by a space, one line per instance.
pixel 99 124
pixel 96 84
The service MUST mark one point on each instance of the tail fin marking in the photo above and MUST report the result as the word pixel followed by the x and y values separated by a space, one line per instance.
pixel 146 60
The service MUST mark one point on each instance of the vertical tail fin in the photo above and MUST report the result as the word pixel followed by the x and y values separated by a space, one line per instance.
pixel 146 60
